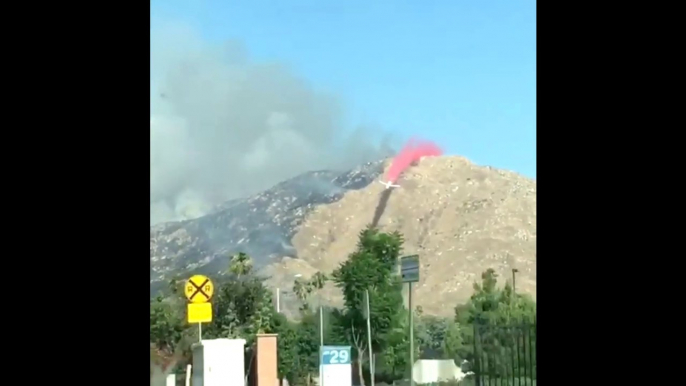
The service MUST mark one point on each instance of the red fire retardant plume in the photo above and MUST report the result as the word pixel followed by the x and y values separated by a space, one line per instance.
pixel 413 151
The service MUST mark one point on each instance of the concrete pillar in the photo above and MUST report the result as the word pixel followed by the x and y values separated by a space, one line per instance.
pixel 267 372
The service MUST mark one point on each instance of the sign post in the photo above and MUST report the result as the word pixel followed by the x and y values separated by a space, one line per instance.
pixel 409 271
pixel 198 291
pixel 334 366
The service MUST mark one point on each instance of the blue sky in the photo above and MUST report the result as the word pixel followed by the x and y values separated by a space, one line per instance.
pixel 459 72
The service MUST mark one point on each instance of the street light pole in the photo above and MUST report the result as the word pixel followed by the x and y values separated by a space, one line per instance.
pixel 514 286
pixel 321 337
pixel 321 325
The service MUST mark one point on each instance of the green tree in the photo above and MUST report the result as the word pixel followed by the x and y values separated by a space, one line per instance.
pixel 372 267
pixel 293 359
pixel 498 316
pixel 303 289
pixel 393 362
pixel 490 305
pixel 431 335
pixel 240 265
pixel 167 325
pixel 452 341
pixel 308 346
pixel 242 308
pixel 318 280
pixel 169 336
pixel 307 330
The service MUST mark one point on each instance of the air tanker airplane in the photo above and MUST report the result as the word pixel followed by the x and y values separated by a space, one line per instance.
pixel 389 184
pixel 410 155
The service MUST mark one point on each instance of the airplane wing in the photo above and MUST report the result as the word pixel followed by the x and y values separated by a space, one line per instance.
pixel 389 184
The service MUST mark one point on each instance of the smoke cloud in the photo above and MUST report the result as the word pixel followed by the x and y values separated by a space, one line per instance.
pixel 224 127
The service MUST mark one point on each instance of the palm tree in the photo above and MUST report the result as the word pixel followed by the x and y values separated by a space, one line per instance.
pixel 240 264
pixel 300 289
pixel 318 280
pixel 175 285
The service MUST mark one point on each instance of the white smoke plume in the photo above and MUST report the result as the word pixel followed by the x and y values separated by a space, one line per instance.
pixel 223 127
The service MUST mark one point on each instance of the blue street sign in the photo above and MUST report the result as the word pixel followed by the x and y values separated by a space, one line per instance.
pixel 409 269
pixel 334 355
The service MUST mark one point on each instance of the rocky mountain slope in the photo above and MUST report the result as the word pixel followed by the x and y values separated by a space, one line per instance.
pixel 459 217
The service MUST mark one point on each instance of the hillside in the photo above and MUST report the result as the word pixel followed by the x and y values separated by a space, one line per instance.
pixel 459 217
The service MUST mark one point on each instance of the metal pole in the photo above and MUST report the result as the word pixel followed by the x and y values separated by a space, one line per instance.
pixel 278 300
pixel 514 287
pixel 321 339
pixel 369 341
pixel 199 332
pixel 411 334
pixel 321 326
pixel 188 374
pixel 321 320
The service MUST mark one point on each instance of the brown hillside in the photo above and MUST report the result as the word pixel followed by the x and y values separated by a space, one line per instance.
pixel 459 217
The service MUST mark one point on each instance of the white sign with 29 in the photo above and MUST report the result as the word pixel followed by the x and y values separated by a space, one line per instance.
pixel 335 368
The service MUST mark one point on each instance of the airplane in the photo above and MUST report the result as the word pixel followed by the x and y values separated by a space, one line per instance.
pixel 389 184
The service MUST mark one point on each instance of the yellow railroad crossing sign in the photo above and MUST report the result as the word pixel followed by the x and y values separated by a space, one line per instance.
pixel 199 289
pixel 199 313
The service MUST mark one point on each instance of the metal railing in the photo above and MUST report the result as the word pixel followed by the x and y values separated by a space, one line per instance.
pixel 505 355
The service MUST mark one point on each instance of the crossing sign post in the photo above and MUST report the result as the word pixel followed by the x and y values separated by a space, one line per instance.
pixel 335 366
pixel 199 290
